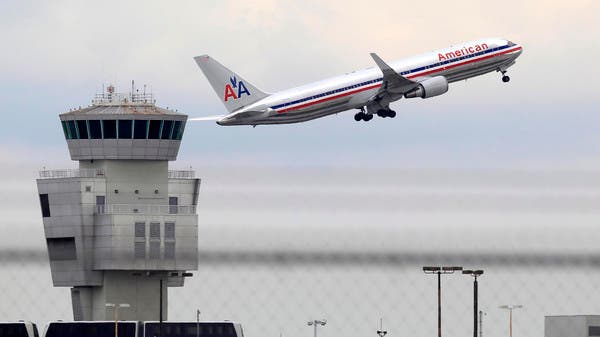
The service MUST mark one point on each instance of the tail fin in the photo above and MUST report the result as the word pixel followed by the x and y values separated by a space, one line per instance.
pixel 234 91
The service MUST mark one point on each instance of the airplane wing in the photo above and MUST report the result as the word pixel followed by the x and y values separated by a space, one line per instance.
pixel 393 85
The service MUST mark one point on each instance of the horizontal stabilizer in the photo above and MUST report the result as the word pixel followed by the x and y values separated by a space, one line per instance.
pixel 206 118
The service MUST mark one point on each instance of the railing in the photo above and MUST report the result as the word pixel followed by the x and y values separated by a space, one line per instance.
pixel 173 174
pixel 144 209
pixel 111 98
pixel 93 173
pixel 72 173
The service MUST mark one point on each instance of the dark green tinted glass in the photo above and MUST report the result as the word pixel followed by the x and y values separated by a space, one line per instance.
pixel 65 129
pixel 180 134
pixel 109 126
pixel 140 129
pixel 82 128
pixel 125 129
pixel 166 130
pixel 154 129
pixel 95 129
pixel 72 129
pixel 176 127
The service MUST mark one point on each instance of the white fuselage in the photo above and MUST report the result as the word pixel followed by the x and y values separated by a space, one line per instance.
pixel 356 89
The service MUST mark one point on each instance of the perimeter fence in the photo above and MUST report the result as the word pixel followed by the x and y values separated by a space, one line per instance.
pixel 275 293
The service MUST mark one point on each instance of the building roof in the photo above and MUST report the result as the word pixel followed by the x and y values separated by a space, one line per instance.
pixel 124 109
pixel 112 103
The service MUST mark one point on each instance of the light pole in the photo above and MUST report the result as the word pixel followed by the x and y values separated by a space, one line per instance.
pixel 481 314
pixel 197 322
pixel 475 274
pixel 317 322
pixel 116 307
pixel 439 271
pixel 381 332
pixel 510 308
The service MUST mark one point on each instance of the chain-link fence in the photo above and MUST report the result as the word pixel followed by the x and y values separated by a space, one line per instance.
pixel 275 293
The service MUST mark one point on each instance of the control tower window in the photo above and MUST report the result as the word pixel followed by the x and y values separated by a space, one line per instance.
pixel 72 129
pixel 45 205
pixel 140 129
pixel 82 128
pixel 109 126
pixel 176 127
pixel 95 129
pixel 154 129
pixel 125 127
pixel 166 130
pixel 180 134
pixel 65 129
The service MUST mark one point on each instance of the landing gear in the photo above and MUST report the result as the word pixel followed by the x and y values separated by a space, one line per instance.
pixel 505 77
pixel 386 113
pixel 361 116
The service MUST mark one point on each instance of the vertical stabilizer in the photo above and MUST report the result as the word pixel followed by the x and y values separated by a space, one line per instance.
pixel 234 91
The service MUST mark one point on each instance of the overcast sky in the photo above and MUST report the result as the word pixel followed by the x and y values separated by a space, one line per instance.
pixel 58 54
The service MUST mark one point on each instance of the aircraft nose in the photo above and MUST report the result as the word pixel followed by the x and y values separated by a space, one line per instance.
pixel 519 52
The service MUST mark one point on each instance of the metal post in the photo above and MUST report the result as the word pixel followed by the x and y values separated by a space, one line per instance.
pixel 116 320
pixel 160 314
pixel 197 323
pixel 439 275
pixel 475 274
pixel 481 313
pixel 510 314
pixel 315 329
pixel 439 270
pixel 475 307
pixel 510 308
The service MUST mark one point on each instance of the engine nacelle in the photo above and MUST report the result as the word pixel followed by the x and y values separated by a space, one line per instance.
pixel 430 87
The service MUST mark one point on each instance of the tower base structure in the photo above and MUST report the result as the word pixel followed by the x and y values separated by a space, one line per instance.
pixel 141 292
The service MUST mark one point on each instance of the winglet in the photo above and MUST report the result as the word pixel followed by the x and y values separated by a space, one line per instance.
pixel 392 81
pixel 385 68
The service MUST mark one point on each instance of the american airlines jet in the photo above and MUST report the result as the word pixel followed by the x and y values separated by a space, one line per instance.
pixel 369 90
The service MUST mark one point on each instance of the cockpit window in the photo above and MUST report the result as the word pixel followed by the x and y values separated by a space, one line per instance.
pixel 510 43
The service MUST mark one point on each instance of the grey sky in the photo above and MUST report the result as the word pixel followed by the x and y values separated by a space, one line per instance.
pixel 62 52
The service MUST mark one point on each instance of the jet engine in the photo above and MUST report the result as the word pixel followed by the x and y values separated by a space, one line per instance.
pixel 430 87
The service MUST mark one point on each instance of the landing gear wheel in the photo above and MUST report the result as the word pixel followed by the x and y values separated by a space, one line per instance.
pixel 358 117
pixel 505 78
pixel 391 114
pixel 367 118
pixel 382 113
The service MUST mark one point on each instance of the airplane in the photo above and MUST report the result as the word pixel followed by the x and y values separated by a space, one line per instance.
pixel 369 90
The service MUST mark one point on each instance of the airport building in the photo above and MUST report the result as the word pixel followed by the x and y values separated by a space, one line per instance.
pixel 572 326
pixel 121 227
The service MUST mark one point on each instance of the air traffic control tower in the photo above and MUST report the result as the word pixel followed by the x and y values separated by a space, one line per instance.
pixel 122 227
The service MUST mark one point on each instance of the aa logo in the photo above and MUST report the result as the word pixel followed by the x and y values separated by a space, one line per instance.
pixel 235 89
